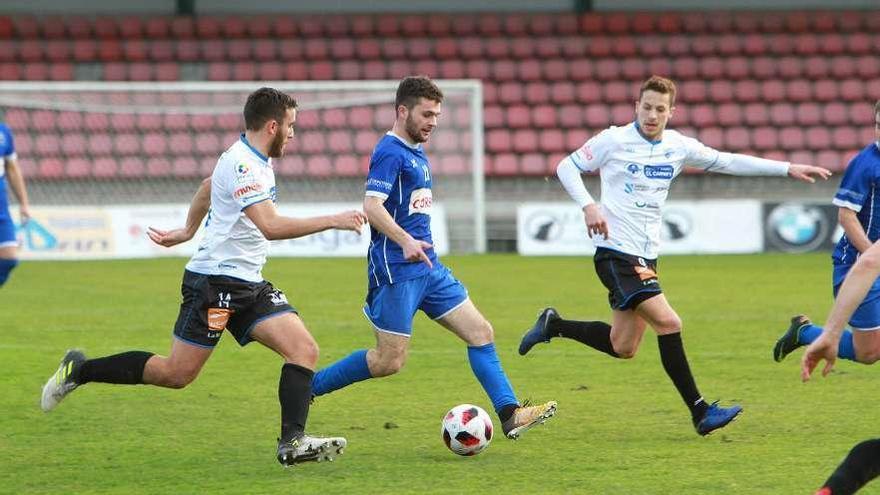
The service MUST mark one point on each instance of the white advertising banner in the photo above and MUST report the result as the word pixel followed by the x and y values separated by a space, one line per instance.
pixel 689 227
pixel 99 232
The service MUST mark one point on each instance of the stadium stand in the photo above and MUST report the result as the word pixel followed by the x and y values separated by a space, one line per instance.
pixel 787 84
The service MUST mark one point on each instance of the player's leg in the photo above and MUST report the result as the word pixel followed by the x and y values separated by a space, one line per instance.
pixel 191 348
pixel 446 301
pixel 390 309
pixel 657 312
pixel 8 248
pixel 629 280
pixel 263 314
pixel 866 345
pixel 860 466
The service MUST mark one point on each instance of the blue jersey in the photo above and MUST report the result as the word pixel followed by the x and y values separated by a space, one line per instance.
pixel 401 175
pixel 7 151
pixel 859 192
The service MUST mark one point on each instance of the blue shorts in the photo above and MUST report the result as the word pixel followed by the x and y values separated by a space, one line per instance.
pixel 867 315
pixel 7 230
pixel 391 307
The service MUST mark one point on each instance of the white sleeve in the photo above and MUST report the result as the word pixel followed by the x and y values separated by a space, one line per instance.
pixel 570 176
pixel 711 160
pixel 591 156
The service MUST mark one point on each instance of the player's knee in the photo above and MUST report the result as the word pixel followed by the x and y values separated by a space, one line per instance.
pixel 180 379
pixel 668 324
pixel 388 363
pixel 309 352
pixel 485 333
pixel 868 356
pixel 6 267
pixel 626 351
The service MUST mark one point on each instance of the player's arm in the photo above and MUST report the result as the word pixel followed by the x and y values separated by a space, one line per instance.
pixel 16 182
pixel 711 160
pixel 858 282
pixel 853 229
pixel 275 226
pixel 413 249
pixel 198 208
pixel 587 158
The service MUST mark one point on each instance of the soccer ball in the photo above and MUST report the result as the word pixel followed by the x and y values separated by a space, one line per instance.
pixel 466 429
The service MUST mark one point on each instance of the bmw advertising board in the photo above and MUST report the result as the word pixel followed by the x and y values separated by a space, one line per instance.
pixel 800 227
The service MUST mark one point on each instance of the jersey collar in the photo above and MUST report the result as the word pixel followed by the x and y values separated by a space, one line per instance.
pixel 248 144
pixel 639 130
pixel 416 146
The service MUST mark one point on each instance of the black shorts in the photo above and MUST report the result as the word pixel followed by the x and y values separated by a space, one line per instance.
pixel 630 280
pixel 213 303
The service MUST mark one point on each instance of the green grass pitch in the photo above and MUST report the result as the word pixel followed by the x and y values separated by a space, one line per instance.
pixel 621 427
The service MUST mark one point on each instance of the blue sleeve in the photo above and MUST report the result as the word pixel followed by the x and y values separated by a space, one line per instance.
pixel 7 144
pixel 384 170
pixel 855 185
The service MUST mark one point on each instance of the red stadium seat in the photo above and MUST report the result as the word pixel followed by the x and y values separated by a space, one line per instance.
pixel 155 144
pixel 622 113
pixel 182 28
pixel 365 141
pixel 534 164
pixel 729 114
pixel 504 71
pixel 737 139
pixel 764 138
pixel 126 144
pixel 764 68
pixel 721 91
pixel 180 144
pixel 861 113
pixel 808 114
pixel 100 144
pixel 799 90
pixel 552 141
pixel 537 93
pixel 525 141
pixel 802 157
pixel 574 139
pixel 791 138
pixel 530 70
pixel 498 141
pixel 158 167
pixel 773 91
pixel 362 117
pixel 825 90
pixel 712 136
pixel 598 116
pixel 452 69
pixel 544 116
pixel 510 93
pixel 831 160
pixel 208 144
pixel 818 138
pixel 518 116
pixel 73 144
pixel 868 66
pixel 843 67
pixel 616 92
pixel 564 92
pixel 685 68
pixel 702 115
pixel 350 166
pixel 835 114
pixel 846 138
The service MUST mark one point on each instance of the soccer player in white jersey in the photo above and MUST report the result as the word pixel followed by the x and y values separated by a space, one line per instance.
pixel 405 275
pixel 223 287
pixel 636 164
pixel 10 171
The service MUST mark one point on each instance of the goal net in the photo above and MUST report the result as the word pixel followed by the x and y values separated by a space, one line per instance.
pixel 111 144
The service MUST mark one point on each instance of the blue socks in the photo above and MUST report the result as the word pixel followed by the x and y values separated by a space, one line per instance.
pixel 6 266
pixel 487 368
pixel 350 369
pixel 846 349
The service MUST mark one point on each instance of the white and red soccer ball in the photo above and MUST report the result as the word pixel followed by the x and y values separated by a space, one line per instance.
pixel 466 429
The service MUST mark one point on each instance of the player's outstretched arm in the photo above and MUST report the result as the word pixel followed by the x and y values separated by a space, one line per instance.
pixel 856 285
pixel 16 182
pixel 198 208
pixel 413 249
pixel 808 173
pixel 274 226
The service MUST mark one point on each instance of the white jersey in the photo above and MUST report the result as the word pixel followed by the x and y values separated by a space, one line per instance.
pixel 636 174
pixel 232 245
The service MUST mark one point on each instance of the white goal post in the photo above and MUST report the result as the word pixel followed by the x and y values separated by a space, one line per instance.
pixel 110 143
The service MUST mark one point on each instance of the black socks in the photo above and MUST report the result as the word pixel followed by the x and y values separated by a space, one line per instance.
pixel 596 334
pixel 295 396
pixel 861 465
pixel 676 365
pixel 126 368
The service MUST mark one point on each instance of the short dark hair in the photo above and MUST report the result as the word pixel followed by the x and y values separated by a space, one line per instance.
pixel 413 88
pixel 266 104
pixel 661 85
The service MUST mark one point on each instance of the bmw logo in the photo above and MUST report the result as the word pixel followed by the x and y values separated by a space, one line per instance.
pixel 796 227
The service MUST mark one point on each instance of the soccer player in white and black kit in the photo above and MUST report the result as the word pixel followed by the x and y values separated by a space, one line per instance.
pixel 636 164
pixel 223 287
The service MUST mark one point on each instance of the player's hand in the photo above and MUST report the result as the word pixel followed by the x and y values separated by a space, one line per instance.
pixel 414 251
pixel 806 172
pixel 168 238
pixel 25 213
pixel 352 220
pixel 595 221
pixel 825 347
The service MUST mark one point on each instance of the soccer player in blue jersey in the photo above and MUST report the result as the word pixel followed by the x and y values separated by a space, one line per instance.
pixel 859 214
pixel 862 464
pixel 404 274
pixel 11 172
